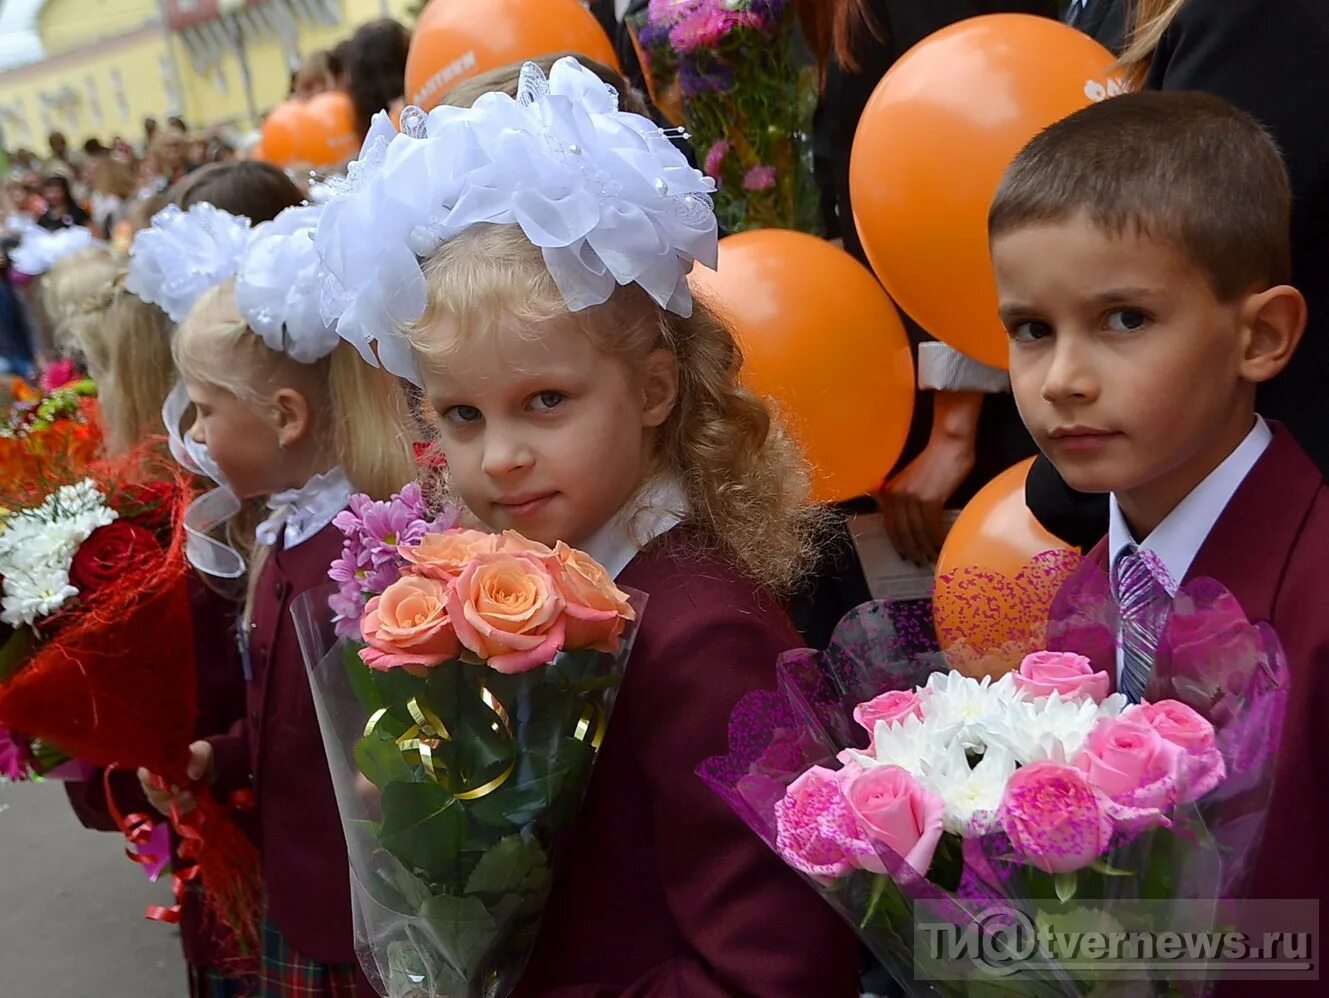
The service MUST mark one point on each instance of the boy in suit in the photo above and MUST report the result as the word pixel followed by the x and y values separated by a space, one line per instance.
pixel 1141 252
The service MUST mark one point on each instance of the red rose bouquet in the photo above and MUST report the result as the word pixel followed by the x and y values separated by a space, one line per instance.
pixel 97 653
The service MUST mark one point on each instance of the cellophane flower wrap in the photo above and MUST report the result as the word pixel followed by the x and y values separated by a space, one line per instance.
pixel 96 659
pixel 461 718
pixel 741 78
pixel 906 792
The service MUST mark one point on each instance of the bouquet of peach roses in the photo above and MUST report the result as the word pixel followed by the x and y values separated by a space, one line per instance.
pixel 461 723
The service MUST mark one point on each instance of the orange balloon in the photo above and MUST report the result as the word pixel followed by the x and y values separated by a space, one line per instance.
pixel 327 134
pixel 933 142
pixel 281 130
pixel 822 340
pixel 456 39
pixel 997 575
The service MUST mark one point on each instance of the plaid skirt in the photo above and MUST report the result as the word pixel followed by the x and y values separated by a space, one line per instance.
pixel 205 982
pixel 284 973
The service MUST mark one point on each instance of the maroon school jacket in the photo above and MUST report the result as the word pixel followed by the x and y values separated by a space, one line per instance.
pixel 306 872
pixel 1270 548
pixel 221 702
pixel 663 890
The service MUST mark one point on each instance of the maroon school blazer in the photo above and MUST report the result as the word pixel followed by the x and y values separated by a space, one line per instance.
pixel 663 890
pixel 1270 548
pixel 221 702
pixel 305 868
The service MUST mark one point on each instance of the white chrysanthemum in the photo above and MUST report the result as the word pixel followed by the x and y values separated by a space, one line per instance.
pixel 972 794
pixel 904 743
pixel 964 709
pixel 33 595
pixel 1050 727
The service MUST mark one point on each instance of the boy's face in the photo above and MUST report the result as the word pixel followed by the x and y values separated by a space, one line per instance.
pixel 1125 365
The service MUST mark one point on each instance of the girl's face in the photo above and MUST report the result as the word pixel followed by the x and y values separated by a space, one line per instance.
pixel 545 434
pixel 240 440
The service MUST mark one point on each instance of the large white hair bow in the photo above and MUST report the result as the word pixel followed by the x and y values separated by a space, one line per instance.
pixel 39 250
pixel 277 289
pixel 183 254
pixel 605 195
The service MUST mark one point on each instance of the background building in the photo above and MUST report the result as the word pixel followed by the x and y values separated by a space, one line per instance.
pixel 97 68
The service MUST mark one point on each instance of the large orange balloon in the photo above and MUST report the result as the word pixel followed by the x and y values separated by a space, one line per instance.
pixel 327 135
pixel 824 342
pixel 997 575
pixel 933 142
pixel 455 39
pixel 281 130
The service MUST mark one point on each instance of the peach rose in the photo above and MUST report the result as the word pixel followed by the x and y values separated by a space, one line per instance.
pixel 507 610
pixel 513 541
pixel 407 626
pixel 443 555
pixel 596 609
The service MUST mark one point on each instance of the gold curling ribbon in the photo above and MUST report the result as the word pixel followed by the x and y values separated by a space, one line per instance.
pixel 591 713
pixel 418 742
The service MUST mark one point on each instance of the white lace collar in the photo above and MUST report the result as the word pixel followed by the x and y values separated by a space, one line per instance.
pixel 298 514
pixel 656 510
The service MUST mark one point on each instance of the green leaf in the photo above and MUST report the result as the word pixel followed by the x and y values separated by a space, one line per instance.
pixel 545 788
pixel 515 865
pixel 381 761
pixel 361 678
pixel 465 930
pixel 1098 866
pixel 480 747
pixel 1065 884
pixel 14 652
pixel 424 827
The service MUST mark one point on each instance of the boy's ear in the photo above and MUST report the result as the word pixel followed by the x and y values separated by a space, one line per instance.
pixel 659 388
pixel 1274 322
pixel 293 416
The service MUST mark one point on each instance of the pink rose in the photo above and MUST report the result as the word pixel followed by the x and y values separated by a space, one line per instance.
pixel 1121 757
pixel 1046 672
pixel 508 611
pixel 891 708
pixel 444 555
pixel 595 608
pixel 815 831
pixel 408 626
pixel 1175 722
pixel 895 811
pixel 1054 818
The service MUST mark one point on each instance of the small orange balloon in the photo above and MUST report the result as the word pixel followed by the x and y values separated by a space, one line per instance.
pixel 934 140
pixel 997 576
pixel 281 131
pixel 823 341
pixel 456 39
pixel 327 134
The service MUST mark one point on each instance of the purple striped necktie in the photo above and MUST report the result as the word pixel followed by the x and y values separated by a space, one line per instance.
pixel 1143 591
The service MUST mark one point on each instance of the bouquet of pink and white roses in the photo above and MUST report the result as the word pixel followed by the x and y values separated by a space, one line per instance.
pixel 460 726
pixel 911 795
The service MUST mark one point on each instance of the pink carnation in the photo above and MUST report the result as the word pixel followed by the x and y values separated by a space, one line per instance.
pixel 715 157
pixel 759 178
pixel 816 832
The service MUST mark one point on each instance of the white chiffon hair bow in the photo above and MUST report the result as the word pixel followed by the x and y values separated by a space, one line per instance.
pixel 603 193
pixel 275 266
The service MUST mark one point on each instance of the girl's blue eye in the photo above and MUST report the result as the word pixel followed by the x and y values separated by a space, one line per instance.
pixel 1029 330
pixel 547 400
pixel 1127 320
pixel 462 414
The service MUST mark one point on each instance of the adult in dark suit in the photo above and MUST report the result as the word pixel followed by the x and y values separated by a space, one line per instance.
pixel 1270 58
pixel 1102 20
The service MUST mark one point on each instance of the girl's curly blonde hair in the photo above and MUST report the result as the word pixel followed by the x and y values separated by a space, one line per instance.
pixel 746 482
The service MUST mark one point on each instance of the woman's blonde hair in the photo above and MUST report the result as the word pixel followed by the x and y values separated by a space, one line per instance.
pixel 369 432
pixel 127 346
pixel 72 282
pixel 1151 19
pixel 746 483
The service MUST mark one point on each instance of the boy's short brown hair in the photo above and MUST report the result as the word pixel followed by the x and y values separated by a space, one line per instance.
pixel 1187 168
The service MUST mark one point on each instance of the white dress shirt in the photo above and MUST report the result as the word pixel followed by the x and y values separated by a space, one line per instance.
pixel 1178 539
pixel 654 511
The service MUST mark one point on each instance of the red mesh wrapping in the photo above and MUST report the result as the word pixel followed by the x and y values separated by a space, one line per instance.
pixel 113 682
